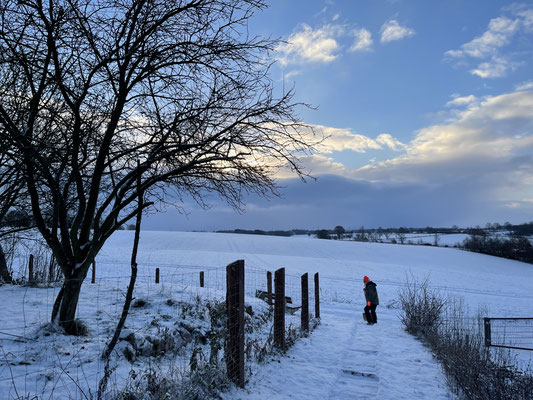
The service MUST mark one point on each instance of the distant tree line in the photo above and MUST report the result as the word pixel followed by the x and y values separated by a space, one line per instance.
pixel 258 232
pixel 515 247
pixel 376 234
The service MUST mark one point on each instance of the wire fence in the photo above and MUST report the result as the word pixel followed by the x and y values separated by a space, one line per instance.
pixel 176 329
pixel 512 333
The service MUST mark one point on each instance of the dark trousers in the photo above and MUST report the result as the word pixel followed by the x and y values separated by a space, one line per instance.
pixel 370 313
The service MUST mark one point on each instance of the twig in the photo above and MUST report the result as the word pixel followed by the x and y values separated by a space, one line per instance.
pixel 11 373
pixel 63 369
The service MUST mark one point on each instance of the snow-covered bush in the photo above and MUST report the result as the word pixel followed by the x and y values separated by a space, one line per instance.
pixel 422 307
pixel 199 336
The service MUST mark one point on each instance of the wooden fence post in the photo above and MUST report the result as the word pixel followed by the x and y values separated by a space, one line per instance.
pixel 51 269
pixel 279 309
pixel 93 277
pixel 235 308
pixel 157 275
pixel 201 278
pixel 317 297
pixel 305 303
pixel 30 269
pixel 269 288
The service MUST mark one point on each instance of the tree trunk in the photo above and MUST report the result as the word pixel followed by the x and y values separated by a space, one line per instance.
pixel 66 304
pixel 4 272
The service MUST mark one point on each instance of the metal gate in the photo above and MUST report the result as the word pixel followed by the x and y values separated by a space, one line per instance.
pixel 511 333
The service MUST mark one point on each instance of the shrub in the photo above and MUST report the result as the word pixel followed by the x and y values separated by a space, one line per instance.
pixel 323 234
pixel 472 370
pixel 422 307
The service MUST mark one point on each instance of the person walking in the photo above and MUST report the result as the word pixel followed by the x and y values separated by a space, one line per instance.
pixel 372 301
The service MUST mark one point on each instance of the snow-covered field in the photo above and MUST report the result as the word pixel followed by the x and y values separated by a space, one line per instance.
pixel 342 359
pixel 451 239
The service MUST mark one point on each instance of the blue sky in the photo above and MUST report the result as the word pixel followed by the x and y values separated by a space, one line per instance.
pixel 428 108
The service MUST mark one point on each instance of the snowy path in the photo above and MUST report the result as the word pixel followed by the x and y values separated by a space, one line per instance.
pixel 346 359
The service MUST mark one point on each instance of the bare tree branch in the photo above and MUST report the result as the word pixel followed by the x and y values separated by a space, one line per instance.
pixel 88 88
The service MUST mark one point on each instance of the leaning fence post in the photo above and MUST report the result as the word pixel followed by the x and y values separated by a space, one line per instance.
pixel 30 269
pixel 305 303
pixel 201 278
pixel 93 277
pixel 487 332
pixel 235 309
pixel 279 309
pixel 157 275
pixel 269 288
pixel 317 297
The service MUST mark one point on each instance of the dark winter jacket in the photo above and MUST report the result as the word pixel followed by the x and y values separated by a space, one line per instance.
pixel 371 294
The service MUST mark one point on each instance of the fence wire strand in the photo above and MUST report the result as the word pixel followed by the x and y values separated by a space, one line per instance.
pixel 513 333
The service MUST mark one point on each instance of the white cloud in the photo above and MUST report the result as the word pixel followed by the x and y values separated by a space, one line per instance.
pixel 392 30
pixel 338 139
pixel 491 143
pixel 527 18
pixel 318 164
pixel 311 45
pixel 341 139
pixel 363 40
pixel 499 33
pixel 454 53
pixel 293 73
pixel 391 142
pixel 461 101
pixel 336 17
pixel 495 68
pixel 525 86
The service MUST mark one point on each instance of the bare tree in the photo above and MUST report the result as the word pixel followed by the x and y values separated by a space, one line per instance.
pixel 339 231
pixel 88 89
pixel 401 237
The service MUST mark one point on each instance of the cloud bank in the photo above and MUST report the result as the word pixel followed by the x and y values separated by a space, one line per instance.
pixel 475 167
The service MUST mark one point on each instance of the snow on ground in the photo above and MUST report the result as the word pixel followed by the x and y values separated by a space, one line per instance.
pixel 345 359
pixel 342 359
